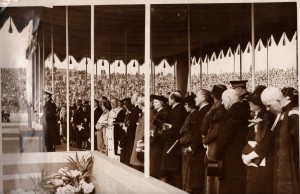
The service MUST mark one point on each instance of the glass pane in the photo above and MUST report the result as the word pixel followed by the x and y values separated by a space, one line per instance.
pixel 80 72
pixel 20 59
pixel 119 84
pixel 218 40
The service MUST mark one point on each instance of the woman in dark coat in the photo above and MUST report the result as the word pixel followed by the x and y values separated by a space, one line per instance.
pixel 260 140
pixel 186 140
pixel 210 127
pixel 161 112
pixel 132 119
pixel 85 132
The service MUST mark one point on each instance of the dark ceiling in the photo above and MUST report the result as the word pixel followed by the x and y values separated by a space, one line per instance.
pixel 120 29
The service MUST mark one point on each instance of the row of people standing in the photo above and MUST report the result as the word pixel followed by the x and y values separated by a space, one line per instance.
pixel 254 136
pixel 125 118
pixel 258 153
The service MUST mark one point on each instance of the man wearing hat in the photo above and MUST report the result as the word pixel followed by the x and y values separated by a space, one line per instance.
pixel 240 87
pixel 49 121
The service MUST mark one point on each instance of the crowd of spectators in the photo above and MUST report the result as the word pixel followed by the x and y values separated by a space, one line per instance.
pixel 80 84
pixel 13 84
pixel 13 89
pixel 279 78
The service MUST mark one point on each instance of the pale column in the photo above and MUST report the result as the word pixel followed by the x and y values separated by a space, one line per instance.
pixel 147 92
pixel 253 45
pixel 68 89
pixel 92 76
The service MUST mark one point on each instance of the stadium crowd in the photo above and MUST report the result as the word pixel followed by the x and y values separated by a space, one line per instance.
pixel 13 90
pixel 163 83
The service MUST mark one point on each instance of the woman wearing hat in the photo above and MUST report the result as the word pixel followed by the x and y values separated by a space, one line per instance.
pixel 258 153
pixel 161 112
pixel 210 127
pixel 186 139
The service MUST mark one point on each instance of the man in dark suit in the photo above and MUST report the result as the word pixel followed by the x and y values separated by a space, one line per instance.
pixel 131 129
pixel 78 120
pixel 203 101
pixel 49 121
pixel 171 161
pixel 231 140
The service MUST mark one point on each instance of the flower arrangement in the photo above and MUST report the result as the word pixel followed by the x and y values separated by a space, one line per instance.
pixel 71 179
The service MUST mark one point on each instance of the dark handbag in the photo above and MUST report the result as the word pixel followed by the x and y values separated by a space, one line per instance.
pixel 140 156
pixel 214 168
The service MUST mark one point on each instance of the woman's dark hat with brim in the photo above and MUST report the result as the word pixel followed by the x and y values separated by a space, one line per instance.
pixel 255 96
pixel 188 99
pixel 160 98
pixel 218 90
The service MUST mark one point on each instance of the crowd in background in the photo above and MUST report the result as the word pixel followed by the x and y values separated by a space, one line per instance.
pixel 277 77
pixel 13 89
pixel 164 84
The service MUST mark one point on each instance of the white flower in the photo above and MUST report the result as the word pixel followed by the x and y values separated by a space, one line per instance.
pixel 75 173
pixel 56 182
pixel 88 188
pixel 66 189
pixel 63 170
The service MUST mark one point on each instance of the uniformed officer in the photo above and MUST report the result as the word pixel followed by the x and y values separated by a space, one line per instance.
pixel 241 88
pixel 50 120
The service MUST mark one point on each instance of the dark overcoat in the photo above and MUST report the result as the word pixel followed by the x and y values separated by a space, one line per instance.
pixel 172 161
pixel 286 166
pixel 97 114
pixel 197 157
pixel 231 140
pixel 264 137
pixel 130 134
pixel 50 127
pixel 156 142
pixel 85 133
pixel 185 141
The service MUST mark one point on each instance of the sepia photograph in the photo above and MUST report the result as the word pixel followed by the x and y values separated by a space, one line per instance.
pixel 149 96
